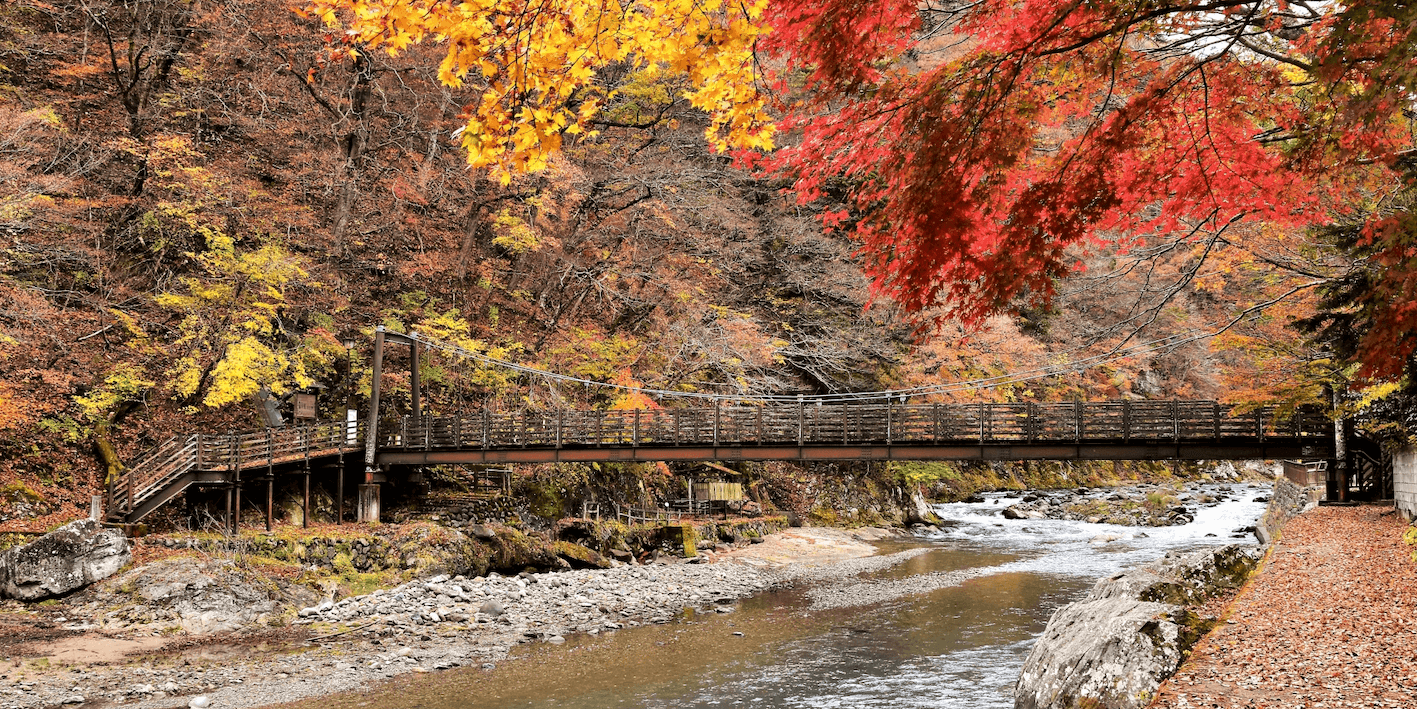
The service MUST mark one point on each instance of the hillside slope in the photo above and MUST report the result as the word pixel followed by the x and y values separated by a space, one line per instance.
pixel 198 202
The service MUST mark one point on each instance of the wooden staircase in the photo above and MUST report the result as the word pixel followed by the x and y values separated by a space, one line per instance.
pixel 179 462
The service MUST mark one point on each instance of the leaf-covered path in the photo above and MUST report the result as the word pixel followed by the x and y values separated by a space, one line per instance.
pixel 1331 621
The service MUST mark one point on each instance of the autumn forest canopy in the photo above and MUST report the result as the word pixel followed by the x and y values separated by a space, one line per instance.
pixel 201 201
pixel 972 148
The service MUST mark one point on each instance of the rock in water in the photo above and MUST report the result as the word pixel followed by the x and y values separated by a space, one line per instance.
pixel 1113 649
pixel 71 557
pixel 1023 512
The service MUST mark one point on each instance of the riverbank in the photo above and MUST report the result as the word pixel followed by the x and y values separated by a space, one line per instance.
pixel 1330 621
pixel 417 627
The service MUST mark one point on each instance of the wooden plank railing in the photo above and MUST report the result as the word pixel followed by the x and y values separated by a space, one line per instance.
pixel 809 424
pixel 166 463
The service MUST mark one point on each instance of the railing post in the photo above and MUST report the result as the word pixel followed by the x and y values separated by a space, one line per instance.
pixel 717 419
pixel 983 414
pixel 236 484
pixel 1030 411
pixel 801 415
pixel 1126 421
pixel 1077 420
pixel 935 426
pixel 845 423
pixel 199 452
pixel 676 414
pixel 1175 421
pixel 635 440
pixel 890 409
pixel 1215 407
pixel 760 424
pixel 560 424
pixel 1259 423
pixel 486 428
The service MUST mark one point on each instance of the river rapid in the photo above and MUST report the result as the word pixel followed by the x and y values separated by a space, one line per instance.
pixel 957 647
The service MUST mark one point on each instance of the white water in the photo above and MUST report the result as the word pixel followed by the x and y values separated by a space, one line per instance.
pixel 1065 547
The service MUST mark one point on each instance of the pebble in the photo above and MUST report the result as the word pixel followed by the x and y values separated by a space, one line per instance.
pixel 199 702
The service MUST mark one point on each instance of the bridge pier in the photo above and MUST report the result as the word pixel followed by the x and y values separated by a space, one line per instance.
pixel 368 502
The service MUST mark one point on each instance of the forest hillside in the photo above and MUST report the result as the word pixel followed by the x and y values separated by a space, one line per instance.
pixel 199 204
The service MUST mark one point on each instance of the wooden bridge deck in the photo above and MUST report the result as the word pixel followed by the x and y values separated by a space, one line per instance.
pixel 1114 430
pixel 1111 430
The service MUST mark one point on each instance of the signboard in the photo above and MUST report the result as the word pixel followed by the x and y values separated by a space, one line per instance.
pixel 304 406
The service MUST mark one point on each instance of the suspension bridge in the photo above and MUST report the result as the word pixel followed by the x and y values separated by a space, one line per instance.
pixel 712 428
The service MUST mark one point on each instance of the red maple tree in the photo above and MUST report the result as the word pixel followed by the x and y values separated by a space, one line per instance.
pixel 968 146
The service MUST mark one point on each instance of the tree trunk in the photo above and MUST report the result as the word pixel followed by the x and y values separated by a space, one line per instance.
pixel 352 146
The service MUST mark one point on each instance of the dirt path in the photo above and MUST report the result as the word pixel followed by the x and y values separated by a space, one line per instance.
pixel 1330 622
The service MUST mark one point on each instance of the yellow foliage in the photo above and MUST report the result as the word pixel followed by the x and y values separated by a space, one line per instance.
pixel 124 383
pixel 229 345
pixel 514 234
pixel 450 326
pixel 533 64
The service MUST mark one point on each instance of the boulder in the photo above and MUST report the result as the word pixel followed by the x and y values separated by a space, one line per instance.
pixel 580 557
pixel 918 511
pixel 69 558
pixel 1023 512
pixel 1113 649
pixel 202 596
pixel 1109 652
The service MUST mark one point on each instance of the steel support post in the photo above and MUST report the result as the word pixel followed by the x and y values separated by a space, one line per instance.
pixel 369 490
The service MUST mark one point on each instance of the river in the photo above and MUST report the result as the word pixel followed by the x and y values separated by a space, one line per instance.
pixel 958 647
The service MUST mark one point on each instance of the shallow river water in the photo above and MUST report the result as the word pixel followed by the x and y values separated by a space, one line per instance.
pixel 957 647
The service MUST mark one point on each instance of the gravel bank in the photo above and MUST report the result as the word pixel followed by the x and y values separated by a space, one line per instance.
pixel 437 624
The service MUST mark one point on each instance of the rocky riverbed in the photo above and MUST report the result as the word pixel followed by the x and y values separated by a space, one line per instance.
pixel 1141 506
pixel 422 626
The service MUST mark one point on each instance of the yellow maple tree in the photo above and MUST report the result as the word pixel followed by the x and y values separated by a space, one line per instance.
pixel 533 63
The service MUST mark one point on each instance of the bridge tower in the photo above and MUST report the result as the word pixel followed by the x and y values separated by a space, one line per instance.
pixel 368 507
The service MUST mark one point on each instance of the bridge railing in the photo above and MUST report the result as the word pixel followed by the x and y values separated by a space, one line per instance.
pixel 729 425
pixel 163 464
pixel 270 446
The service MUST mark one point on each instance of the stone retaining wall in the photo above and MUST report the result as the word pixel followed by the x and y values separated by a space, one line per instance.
pixel 1289 501
pixel 1404 482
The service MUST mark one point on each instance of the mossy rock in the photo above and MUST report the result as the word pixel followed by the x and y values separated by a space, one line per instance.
pixel 683 539
pixel 580 557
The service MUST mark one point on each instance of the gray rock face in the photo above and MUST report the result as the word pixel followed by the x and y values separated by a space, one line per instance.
pixel 200 596
pixel 1101 653
pixel 1113 649
pixel 71 557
